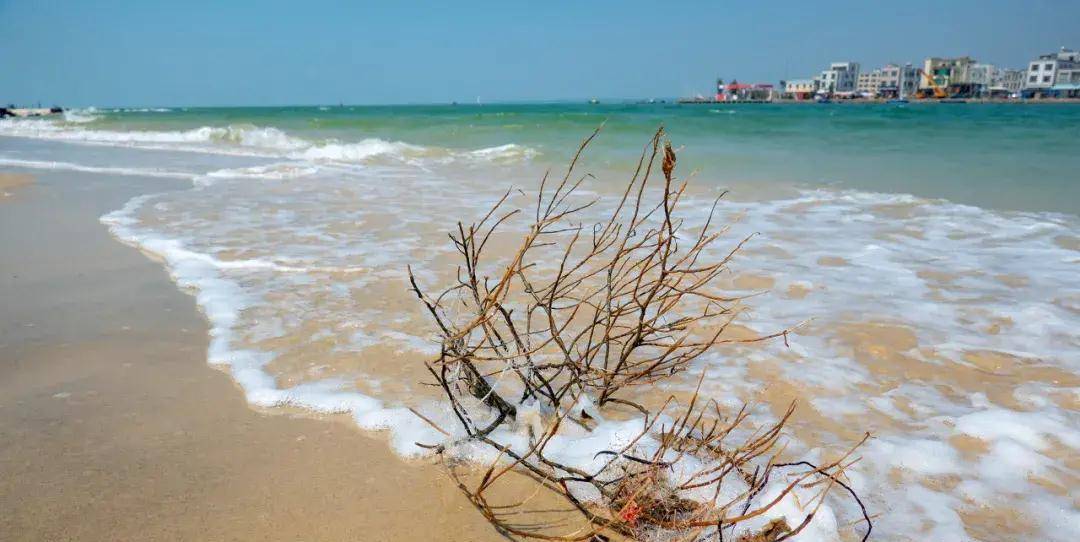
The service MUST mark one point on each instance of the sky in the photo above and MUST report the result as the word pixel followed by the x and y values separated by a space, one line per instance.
pixel 269 52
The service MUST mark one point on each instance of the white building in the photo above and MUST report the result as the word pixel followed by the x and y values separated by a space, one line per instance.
pixel 904 78
pixel 1058 68
pixel 869 83
pixel 800 89
pixel 890 81
pixel 1009 81
pixel 840 77
pixel 1067 76
pixel 982 77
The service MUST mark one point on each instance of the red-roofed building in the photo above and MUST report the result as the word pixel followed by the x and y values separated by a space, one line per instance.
pixel 738 92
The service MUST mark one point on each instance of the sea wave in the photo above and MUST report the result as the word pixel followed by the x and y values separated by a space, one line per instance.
pixel 508 152
pixel 140 110
pixel 931 283
pixel 81 116
pixel 68 166
pixel 260 141
pixel 279 172
pixel 224 299
pixel 275 172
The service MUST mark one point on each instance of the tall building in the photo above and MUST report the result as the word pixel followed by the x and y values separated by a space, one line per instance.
pixel 898 81
pixel 1054 74
pixel 840 77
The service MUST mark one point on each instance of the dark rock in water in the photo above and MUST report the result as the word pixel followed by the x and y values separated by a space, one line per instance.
pixel 5 112
pixel 56 110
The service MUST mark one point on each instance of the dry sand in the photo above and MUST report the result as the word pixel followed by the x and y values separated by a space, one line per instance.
pixel 112 426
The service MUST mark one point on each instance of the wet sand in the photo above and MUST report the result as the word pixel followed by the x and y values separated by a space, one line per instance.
pixel 10 182
pixel 112 426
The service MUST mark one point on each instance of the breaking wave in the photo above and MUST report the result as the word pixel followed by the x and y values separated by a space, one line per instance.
pixel 927 299
pixel 81 116
pixel 260 141
pixel 141 110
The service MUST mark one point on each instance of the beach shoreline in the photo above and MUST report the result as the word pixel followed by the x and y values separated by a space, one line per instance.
pixel 294 239
pixel 10 183
pixel 114 427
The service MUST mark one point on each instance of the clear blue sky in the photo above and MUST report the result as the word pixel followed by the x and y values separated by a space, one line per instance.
pixel 116 52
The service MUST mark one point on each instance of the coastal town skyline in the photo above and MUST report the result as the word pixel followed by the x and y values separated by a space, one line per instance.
pixel 1048 75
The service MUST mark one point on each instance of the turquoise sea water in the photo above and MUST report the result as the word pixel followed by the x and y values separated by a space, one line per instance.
pixel 1005 156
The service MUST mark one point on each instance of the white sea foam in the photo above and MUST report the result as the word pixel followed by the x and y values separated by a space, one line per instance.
pixel 279 172
pixel 357 152
pixel 81 116
pixel 223 300
pixel 256 141
pixel 255 253
pixel 141 110
pixel 508 152
pixel 68 166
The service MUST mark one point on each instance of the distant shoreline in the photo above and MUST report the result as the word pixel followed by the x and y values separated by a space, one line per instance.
pixel 620 102
pixel 864 101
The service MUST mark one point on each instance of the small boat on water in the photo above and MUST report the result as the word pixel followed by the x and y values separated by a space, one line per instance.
pixel 898 101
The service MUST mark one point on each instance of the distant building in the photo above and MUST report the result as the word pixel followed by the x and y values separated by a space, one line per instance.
pixel 841 77
pixel 953 75
pixel 1067 82
pixel 890 81
pixel 1009 82
pixel 800 89
pixel 901 81
pixel 1054 74
pixel 741 92
pixel 982 78
pixel 869 83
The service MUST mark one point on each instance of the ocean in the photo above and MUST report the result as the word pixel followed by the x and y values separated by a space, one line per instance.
pixel 927 253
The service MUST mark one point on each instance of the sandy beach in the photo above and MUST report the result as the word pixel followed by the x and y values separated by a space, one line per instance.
pixel 207 331
pixel 112 426
pixel 9 182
